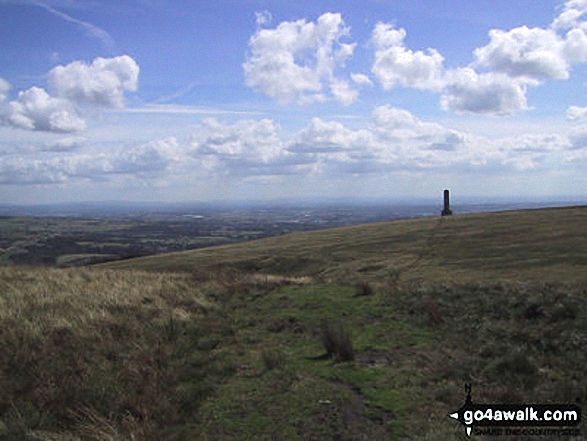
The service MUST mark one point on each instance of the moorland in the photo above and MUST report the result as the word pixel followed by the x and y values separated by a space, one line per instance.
pixel 359 332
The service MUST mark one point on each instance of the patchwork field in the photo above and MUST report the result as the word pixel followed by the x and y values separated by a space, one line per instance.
pixel 366 332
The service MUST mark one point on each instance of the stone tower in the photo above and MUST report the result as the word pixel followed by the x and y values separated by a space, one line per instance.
pixel 446 211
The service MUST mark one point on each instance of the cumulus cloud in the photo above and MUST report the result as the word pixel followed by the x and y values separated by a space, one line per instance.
pixel 496 82
pixel 245 148
pixel 342 92
pixel 298 59
pixel 573 14
pixel 151 158
pixel 74 87
pixel 23 171
pixel 527 152
pixel 35 109
pixel 395 64
pixel 256 141
pixel 516 59
pixel 466 91
pixel 575 45
pixel 62 162
pixel 101 83
pixel 463 90
pixel 329 137
pixel 414 141
pixel 535 53
pixel 395 139
pixel 68 144
pixel 539 53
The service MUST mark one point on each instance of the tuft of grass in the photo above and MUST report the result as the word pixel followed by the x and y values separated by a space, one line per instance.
pixel 337 342
pixel 363 288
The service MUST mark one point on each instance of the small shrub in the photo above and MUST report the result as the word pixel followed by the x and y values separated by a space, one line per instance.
pixel 533 311
pixel 337 341
pixel 363 288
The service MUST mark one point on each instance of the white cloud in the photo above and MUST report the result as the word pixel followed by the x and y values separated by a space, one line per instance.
pixel 151 158
pixel 246 148
pixel 294 61
pixel 263 17
pixel 466 91
pixel 361 79
pixel 578 136
pixel 75 86
pixel 257 141
pixel 510 62
pixel 329 137
pixel 23 171
pixel 68 144
pixel 101 83
pixel 4 89
pixel 576 113
pixel 34 109
pixel 575 45
pixel 342 92
pixel 395 64
pixel 395 141
pixel 414 142
pixel 523 52
pixel 59 163
pixel 528 152
pixel 392 118
pixel 573 12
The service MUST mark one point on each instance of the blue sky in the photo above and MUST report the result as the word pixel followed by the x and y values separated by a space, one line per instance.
pixel 153 100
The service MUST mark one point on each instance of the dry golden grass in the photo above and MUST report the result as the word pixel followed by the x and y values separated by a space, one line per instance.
pixel 92 350
pixel 81 297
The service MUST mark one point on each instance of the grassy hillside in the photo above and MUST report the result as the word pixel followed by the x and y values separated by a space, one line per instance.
pixel 545 244
pixel 218 350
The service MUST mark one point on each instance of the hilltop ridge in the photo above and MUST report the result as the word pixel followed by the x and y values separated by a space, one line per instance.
pixel 544 244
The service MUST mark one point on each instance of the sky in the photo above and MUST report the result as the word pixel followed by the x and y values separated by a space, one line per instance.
pixel 235 100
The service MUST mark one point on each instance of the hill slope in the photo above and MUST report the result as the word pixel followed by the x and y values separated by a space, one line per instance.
pixel 544 244
pixel 87 353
